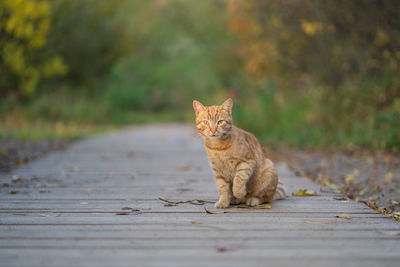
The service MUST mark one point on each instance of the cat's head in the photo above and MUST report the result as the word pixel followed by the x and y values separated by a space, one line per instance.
pixel 214 122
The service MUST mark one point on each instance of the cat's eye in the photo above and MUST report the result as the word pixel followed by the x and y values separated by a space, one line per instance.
pixel 205 122
pixel 220 121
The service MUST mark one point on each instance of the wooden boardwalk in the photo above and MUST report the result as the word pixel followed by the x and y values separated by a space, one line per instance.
pixel 96 203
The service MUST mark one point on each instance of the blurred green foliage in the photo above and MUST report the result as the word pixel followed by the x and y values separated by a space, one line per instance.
pixel 24 27
pixel 335 64
pixel 182 52
pixel 90 35
pixel 302 73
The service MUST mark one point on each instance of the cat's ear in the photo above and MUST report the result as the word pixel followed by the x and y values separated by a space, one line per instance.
pixel 227 105
pixel 198 107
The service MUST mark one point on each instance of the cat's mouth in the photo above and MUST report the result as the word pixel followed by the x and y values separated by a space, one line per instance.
pixel 213 136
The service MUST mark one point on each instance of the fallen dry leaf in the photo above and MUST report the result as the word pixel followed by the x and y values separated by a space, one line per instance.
pixel 222 249
pixel 340 198
pixel 372 205
pixel 311 222
pixel 330 185
pixel 389 176
pixel 343 216
pixel 193 222
pixel 214 212
pixel 183 168
pixel 17 179
pixel 305 192
pixel 387 159
pixel 263 206
pixel 349 178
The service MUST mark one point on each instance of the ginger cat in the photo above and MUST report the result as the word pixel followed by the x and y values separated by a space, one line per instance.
pixel 242 171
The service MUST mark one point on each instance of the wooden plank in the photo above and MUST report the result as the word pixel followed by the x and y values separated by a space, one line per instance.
pixel 28 232
pixel 386 247
pixel 211 253
pixel 116 259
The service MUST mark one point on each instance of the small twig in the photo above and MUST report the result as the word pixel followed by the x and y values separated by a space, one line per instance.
pixel 214 212
pixel 129 213
pixel 192 201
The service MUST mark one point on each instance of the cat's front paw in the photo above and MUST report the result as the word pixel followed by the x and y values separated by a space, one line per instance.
pixel 222 203
pixel 239 192
pixel 253 201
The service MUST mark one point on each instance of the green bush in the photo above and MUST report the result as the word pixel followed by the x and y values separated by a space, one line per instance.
pixel 24 32
pixel 90 36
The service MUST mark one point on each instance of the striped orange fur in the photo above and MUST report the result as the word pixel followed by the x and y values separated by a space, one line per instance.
pixel 242 171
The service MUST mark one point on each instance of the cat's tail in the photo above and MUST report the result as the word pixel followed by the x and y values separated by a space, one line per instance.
pixel 280 192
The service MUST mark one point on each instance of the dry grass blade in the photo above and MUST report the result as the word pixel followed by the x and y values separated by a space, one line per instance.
pixel 311 222
pixel 214 212
pixel 304 192
pixel 263 206
pixel 343 216
pixel 19 213
pixel 172 202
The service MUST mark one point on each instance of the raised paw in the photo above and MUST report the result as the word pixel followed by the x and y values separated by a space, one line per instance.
pixel 239 192
pixel 253 201
pixel 222 203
